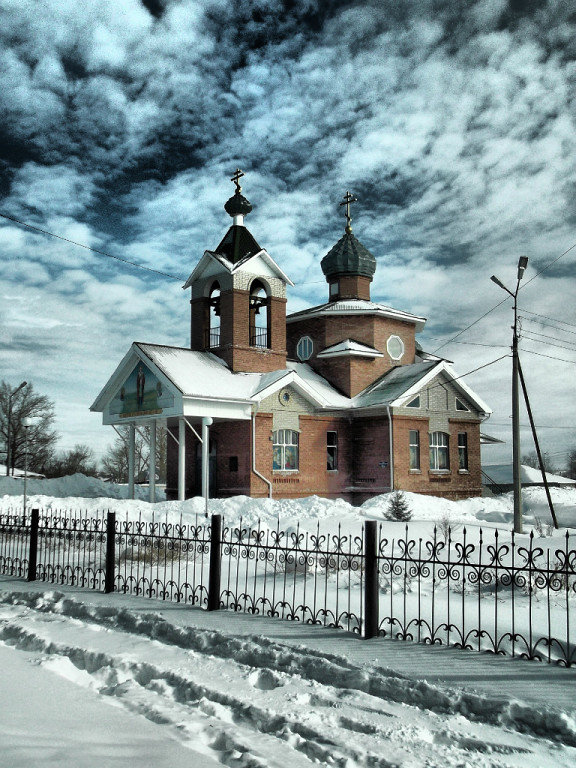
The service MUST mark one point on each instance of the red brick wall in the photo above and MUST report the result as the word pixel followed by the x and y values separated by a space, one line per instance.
pixel 452 484
pixel 350 375
pixel 354 287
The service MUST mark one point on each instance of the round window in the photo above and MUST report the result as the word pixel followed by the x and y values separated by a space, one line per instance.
pixel 304 348
pixel 395 347
pixel 284 397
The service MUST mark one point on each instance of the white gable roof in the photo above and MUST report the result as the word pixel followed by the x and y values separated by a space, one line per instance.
pixel 350 348
pixel 260 263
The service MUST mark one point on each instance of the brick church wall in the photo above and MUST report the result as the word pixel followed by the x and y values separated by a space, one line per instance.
pixel 454 484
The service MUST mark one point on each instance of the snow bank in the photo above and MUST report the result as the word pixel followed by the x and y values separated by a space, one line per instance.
pixel 78 486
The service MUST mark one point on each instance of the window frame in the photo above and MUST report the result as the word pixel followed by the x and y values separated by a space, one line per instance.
pixel 438 449
pixel 283 439
pixel 413 403
pixel 461 406
pixel 310 344
pixel 395 338
pixel 331 450
pixel 463 452
pixel 414 456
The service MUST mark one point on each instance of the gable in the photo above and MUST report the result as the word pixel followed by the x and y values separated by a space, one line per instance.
pixel 137 389
pixel 439 395
pixel 286 405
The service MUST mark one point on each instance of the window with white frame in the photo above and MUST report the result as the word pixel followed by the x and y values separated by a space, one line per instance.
pixel 463 450
pixel 395 347
pixel 285 449
pixel 461 406
pixel 414 449
pixel 304 348
pixel 331 450
pixel 414 403
pixel 439 456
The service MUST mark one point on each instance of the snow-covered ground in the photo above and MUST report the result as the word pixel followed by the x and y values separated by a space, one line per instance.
pixel 214 698
pixel 246 701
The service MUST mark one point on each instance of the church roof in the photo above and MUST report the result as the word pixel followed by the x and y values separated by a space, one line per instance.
pixel 357 307
pixel 201 377
pixel 237 244
pixel 348 257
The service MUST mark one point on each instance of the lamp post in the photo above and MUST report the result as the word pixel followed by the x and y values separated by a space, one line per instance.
pixel 522 263
pixel 10 396
pixel 26 423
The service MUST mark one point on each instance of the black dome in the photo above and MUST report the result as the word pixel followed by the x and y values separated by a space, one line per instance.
pixel 237 205
pixel 348 257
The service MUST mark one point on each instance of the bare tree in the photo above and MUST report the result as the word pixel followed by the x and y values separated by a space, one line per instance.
pixel 27 404
pixel 115 460
pixel 79 459
pixel 531 460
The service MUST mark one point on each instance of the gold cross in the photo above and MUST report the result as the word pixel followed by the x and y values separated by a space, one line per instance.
pixel 236 179
pixel 348 198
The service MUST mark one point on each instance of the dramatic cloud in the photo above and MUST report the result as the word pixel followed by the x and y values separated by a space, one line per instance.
pixel 454 126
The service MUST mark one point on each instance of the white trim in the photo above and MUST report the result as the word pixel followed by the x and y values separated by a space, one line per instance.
pixel 212 256
pixel 442 367
pixel 395 337
pixel 363 308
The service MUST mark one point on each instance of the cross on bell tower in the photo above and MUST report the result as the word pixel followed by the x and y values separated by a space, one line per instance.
pixel 348 199
pixel 236 179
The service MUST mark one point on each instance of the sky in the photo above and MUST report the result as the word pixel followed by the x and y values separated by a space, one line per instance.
pixel 453 123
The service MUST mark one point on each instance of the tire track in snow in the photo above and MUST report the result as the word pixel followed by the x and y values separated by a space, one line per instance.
pixel 336 686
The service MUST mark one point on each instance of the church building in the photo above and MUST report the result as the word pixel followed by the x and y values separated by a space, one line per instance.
pixel 338 400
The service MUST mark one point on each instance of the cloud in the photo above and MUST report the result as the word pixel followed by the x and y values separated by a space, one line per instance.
pixel 454 126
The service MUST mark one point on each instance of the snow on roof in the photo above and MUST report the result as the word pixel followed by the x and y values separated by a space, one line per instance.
pixel 393 384
pixel 197 374
pixel 357 307
pixel 350 348
pixel 18 472
pixel 501 474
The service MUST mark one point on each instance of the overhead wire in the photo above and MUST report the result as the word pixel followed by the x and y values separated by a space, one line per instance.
pixel 94 250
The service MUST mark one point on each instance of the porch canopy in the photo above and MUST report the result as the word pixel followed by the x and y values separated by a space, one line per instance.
pixel 177 388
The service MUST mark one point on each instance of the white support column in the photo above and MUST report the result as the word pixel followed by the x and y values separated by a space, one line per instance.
pixel 181 459
pixel 152 463
pixel 131 452
pixel 206 422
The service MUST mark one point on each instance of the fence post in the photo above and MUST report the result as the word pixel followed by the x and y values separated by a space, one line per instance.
pixel 215 563
pixel 33 550
pixel 371 617
pixel 110 560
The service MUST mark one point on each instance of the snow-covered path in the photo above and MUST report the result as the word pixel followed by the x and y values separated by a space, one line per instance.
pixel 251 701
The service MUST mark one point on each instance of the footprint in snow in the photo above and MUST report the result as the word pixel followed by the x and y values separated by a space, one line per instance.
pixel 264 680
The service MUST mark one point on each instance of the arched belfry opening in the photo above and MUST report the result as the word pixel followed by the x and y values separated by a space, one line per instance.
pixel 213 331
pixel 239 298
pixel 259 316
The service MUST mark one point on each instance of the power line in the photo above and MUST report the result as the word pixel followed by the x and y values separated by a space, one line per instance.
pixel 550 357
pixel 94 250
pixel 477 344
pixel 546 325
pixel 554 320
pixel 506 299
pixel 527 426
pixel 455 378
pixel 548 343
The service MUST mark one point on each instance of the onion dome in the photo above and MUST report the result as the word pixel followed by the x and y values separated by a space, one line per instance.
pixel 237 205
pixel 348 257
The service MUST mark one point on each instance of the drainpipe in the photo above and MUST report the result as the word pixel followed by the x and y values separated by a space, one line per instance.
pixel 391 449
pixel 268 483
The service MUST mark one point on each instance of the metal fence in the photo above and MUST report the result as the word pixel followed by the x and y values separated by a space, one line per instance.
pixel 475 590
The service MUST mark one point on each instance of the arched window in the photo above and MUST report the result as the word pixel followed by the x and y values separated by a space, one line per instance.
pixel 259 316
pixel 439 454
pixel 285 449
pixel 214 316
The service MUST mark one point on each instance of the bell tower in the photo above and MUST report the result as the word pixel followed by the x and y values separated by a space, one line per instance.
pixel 239 298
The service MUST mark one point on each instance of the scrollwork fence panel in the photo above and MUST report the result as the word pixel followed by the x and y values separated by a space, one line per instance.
pixel 485 591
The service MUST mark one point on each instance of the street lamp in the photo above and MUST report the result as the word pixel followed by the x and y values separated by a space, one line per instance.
pixel 26 423
pixel 10 396
pixel 522 263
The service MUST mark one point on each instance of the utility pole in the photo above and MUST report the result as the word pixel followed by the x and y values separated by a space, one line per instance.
pixel 8 451
pixel 517 482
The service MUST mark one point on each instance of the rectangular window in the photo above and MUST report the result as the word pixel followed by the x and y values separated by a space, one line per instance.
pixel 285 449
pixel 462 450
pixel 233 463
pixel 331 450
pixel 439 457
pixel 414 449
